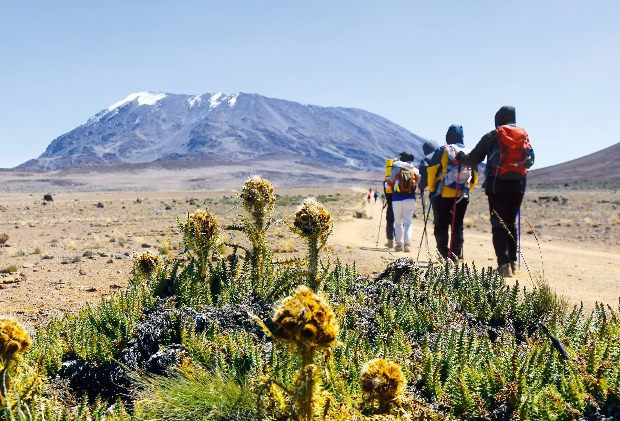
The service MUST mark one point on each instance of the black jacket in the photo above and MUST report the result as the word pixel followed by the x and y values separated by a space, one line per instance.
pixel 484 149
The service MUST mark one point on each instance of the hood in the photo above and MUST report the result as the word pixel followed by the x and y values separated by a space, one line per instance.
pixel 505 115
pixel 454 135
pixel 429 147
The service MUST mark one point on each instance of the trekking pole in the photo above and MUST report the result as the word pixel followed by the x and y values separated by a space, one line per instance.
pixel 456 196
pixel 379 232
pixel 424 233
pixel 519 238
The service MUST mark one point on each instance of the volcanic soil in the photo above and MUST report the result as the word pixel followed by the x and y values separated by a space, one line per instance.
pixel 80 247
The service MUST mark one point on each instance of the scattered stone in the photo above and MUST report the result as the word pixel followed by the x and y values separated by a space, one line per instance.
pixel 82 271
pixel 47 257
pixel 48 197
pixel 115 286
pixel 88 254
pixel 110 261
pixel 100 205
pixel 145 246
pixel 28 265
pixel 102 254
pixel 138 200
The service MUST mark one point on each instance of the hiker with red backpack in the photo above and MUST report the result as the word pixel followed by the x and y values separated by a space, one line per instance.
pixel 449 182
pixel 403 181
pixel 509 155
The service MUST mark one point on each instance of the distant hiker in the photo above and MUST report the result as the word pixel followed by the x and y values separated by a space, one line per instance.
pixel 376 195
pixel 383 199
pixel 449 183
pixel 368 198
pixel 509 155
pixel 403 181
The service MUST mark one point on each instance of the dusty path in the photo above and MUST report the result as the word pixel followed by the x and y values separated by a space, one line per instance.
pixel 585 274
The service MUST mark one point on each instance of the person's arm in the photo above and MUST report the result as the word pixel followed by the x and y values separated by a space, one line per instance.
pixel 474 179
pixel 480 151
pixel 433 171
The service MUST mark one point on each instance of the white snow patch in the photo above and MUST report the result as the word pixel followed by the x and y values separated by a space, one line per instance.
pixel 143 98
pixel 233 99
pixel 215 100
pixel 194 100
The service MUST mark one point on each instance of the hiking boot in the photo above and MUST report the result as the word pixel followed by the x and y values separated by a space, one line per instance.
pixel 389 244
pixel 505 270
pixel 407 248
pixel 514 268
pixel 398 247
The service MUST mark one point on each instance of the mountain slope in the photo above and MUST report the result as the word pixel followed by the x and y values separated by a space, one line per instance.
pixel 147 127
pixel 603 165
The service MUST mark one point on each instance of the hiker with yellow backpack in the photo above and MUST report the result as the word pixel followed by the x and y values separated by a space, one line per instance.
pixel 509 155
pixel 403 182
pixel 449 183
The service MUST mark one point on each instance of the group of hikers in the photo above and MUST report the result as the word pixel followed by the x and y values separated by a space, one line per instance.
pixel 450 172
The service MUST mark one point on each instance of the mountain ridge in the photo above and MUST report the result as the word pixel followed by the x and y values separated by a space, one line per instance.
pixel 603 165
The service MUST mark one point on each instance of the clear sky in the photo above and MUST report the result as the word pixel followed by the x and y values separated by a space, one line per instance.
pixel 422 64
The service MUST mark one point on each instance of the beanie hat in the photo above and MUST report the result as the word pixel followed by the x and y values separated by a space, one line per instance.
pixel 406 157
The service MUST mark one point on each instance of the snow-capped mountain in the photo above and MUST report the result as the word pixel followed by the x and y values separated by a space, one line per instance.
pixel 146 127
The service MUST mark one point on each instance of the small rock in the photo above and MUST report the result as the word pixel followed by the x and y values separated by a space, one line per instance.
pixel 110 261
pixel 47 257
pixel 100 205
pixel 48 197
pixel 145 245
pixel 27 265
pixel 82 271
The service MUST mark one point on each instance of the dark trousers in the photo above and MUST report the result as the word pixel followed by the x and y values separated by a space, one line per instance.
pixel 442 210
pixel 504 208
pixel 389 217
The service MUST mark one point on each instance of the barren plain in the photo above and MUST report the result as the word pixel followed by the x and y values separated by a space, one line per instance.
pixel 79 247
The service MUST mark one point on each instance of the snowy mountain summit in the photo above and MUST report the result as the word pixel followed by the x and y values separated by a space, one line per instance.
pixel 146 127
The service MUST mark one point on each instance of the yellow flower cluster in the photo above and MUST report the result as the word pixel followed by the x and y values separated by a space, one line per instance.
pixel 312 220
pixel 146 263
pixel 382 380
pixel 201 232
pixel 258 196
pixel 14 340
pixel 306 319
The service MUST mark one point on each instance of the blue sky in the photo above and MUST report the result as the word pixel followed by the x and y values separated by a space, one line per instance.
pixel 422 64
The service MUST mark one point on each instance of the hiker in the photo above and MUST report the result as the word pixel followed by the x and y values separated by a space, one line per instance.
pixel 509 155
pixel 449 183
pixel 389 212
pixel 376 195
pixel 368 198
pixel 403 181
pixel 429 147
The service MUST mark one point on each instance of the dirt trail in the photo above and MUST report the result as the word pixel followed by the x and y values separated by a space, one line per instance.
pixel 585 274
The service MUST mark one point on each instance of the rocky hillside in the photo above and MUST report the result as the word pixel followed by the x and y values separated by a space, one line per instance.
pixel 603 165
pixel 216 128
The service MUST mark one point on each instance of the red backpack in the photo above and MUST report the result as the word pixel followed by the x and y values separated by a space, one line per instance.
pixel 513 154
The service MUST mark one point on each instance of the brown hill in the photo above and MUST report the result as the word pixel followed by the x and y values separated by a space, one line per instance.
pixel 603 165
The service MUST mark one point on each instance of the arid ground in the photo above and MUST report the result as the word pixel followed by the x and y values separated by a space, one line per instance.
pixel 79 247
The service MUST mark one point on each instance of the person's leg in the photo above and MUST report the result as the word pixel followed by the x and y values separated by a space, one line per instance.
pixel 441 219
pixel 397 206
pixel 408 210
pixel 513 203
pixel 500 234
pixel 457 235
pixel 389 219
